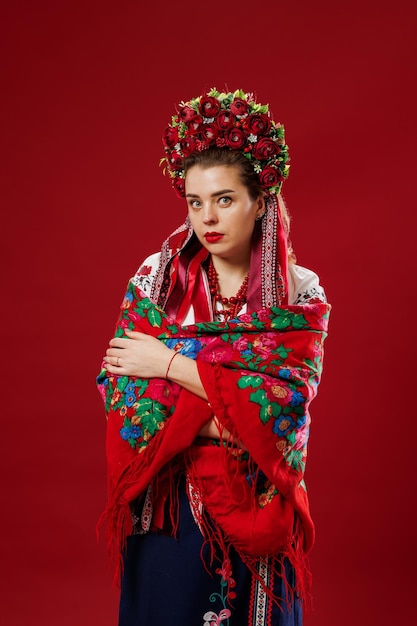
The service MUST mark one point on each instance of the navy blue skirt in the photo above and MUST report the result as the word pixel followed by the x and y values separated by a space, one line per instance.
pixel 166 583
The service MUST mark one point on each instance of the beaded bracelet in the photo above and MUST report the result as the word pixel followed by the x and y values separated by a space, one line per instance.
pixel 169 364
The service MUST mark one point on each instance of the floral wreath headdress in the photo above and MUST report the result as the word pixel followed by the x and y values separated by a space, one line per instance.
pixel 227 120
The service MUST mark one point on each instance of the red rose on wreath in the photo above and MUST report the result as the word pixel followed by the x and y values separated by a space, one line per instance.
pixel 170 137
pixel 235 138
pixel 264 149
pixel 225 120
pixel 179 186
pixel 188 145
pixel 187 114
pixel 194 126
pixel 209 132
pixel 239 107
pixel 258 124
pixel 175 162
pixel 209 106
pixel 270 177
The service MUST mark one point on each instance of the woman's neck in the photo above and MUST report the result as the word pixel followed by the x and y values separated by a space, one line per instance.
pixel 230 275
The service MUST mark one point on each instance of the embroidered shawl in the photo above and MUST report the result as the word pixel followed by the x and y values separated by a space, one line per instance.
pixel 260 372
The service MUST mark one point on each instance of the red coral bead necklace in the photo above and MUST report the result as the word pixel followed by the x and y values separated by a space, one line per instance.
pixel 232 305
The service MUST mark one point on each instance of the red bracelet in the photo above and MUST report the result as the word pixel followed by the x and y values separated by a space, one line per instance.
pixel 169 364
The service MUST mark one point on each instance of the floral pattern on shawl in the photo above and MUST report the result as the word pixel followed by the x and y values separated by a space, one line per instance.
pixel 260 372
pixel 253 344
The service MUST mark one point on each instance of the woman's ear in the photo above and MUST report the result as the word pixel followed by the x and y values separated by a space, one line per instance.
pixel 260 211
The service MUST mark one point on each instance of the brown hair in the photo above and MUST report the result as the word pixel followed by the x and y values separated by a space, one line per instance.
pixel 231 158
pixel 234 158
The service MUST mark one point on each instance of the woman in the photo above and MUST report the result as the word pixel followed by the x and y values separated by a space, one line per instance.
pixel 207 383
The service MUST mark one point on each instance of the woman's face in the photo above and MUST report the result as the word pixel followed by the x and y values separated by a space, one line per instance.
pixel 221 211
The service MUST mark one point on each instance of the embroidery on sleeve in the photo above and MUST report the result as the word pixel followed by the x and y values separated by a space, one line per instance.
pixel 310 296
pixel 144 278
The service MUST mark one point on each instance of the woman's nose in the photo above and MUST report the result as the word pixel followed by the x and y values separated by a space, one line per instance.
pixel 209 214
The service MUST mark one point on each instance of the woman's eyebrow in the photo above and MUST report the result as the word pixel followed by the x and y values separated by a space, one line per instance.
pixel 213 195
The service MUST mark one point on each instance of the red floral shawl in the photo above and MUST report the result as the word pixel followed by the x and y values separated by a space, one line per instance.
pixel 260 372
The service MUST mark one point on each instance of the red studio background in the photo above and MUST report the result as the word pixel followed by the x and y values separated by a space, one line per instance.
pixel 87 89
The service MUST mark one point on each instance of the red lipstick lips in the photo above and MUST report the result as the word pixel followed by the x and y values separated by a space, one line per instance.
pixel 213 237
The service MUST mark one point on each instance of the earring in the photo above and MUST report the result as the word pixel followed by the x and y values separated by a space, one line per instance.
pixel 260 216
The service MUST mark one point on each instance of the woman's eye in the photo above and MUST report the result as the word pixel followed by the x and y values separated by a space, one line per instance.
pixel 225 201
pixel 195 204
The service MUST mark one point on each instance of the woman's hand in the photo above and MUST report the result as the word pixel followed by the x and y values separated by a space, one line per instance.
pixel 139 355
pixel 145 356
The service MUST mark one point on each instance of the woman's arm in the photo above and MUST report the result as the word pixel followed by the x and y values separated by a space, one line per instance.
pixel 143 356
